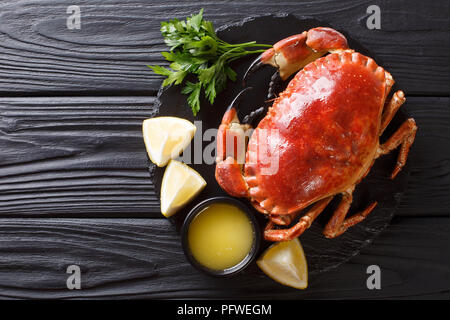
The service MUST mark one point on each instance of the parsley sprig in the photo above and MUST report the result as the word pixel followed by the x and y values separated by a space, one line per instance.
pixel 196 49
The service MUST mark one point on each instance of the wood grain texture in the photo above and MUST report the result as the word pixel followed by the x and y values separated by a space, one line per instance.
pixel 142 258
pixel 39 55
pixel 429 182
pixel 76 156
pixel 85 157
pixel 71 106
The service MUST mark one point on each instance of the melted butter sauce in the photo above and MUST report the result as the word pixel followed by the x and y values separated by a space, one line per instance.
pixel 220 236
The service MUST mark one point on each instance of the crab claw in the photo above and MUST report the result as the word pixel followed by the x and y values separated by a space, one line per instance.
pixel 231 146
pixel 293 53
pixel 255 65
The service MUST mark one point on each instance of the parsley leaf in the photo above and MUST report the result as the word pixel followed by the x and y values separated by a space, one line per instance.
pixel 193 89
pixel 195 49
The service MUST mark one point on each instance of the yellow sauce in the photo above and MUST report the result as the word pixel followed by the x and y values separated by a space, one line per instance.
pixel 220 236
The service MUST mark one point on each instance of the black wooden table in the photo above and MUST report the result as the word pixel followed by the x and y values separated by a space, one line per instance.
pixel 75 188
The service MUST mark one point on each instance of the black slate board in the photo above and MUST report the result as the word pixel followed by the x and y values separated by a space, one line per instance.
pixel 322 254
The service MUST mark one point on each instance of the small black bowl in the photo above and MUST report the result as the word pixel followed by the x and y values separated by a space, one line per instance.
pixel 241 265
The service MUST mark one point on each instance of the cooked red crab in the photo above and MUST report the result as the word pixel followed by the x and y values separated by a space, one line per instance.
pixel 323 131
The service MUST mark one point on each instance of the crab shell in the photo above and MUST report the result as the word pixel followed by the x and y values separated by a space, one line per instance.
pixel 320 136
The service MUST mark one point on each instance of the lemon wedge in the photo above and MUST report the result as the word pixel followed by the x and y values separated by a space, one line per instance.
pixel 166 137
pixel 180 184
pixel 285 263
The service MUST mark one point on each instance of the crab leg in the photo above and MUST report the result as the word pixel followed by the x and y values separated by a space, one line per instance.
pixel 282 220
pixel 304 223
pixel 275 86
pixel 404 136
pixel 391 108
pixel 248 119
pixel 338 224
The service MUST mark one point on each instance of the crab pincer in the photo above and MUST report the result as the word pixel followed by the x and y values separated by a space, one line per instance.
pixel 232 139
pixel 293 53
